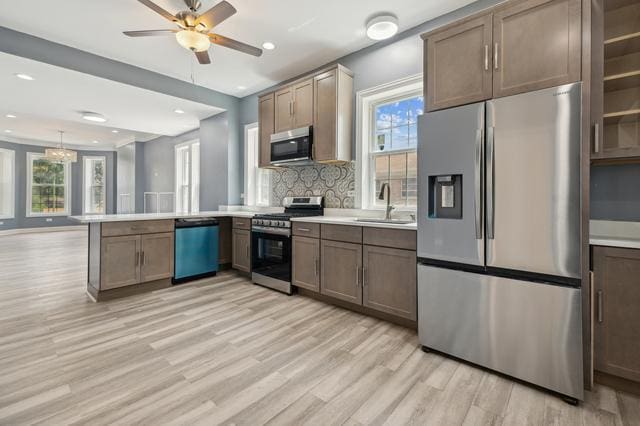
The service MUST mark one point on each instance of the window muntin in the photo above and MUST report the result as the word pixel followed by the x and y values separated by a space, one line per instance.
pixel 48 189
pixel 94 181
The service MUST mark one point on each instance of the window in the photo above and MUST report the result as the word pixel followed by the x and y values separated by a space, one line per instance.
pixel 94 191
pixel 388 130
pixel 7 185
pixel 188 177
pixel 48 186
pixel 256 180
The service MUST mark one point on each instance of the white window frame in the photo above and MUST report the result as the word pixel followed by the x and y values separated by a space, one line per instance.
pixel 194 177
pixel 366 101
pixel 11 198
pixel 31 156
pixel 255 178
pixel 85 161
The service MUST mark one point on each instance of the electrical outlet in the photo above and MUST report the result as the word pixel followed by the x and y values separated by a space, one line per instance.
pixel 49 219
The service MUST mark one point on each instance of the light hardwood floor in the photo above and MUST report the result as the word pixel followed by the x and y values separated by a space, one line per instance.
pixel 226 351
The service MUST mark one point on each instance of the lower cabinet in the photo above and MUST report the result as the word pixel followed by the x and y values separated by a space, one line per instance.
pixel 133 259
pixel 389 281
pixel 306 263
pixel 341 271
pixel 617 311
pixel 224 241
pixel 242 250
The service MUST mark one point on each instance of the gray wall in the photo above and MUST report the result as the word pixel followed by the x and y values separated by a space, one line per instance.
pixel 21 220
pixel 615 192
pixel 126 177
pixel 216 168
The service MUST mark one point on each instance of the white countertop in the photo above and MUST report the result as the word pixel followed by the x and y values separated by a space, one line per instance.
pixel 615 234
pixel 346 220
pixel 157 216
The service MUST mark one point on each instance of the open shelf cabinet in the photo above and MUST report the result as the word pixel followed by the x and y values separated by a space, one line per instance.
pixel 617 126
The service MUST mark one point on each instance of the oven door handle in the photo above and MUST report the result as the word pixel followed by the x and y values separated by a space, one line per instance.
pixel 285 232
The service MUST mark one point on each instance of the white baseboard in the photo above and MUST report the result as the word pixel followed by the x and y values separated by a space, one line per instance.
pixel 43 229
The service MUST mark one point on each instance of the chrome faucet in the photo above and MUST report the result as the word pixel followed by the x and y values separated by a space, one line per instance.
pixel 386 186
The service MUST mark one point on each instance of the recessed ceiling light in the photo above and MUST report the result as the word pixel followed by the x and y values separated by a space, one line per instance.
pixel 268 45
pixel 115 131
pixel 96 142
pixel 10 116
pixel 8 131
pixel 24 76
pixel 94 116
pixel 242 87
pixel 178 111
pixel 382 27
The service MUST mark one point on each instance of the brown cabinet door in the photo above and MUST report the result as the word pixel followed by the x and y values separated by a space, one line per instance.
pixel 617 313
pixel 224 240
pixel 266 127
pixel 120 261
pixel 536 45
pixel 389 281
pixel 306 263
pixel 340 272
pixel 283 110
pixel 242 250
pixel 156 257
pixel 303 104
pixel 458 64
pixel 325 116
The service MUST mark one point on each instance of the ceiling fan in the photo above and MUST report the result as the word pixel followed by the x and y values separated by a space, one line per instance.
pixel 193 33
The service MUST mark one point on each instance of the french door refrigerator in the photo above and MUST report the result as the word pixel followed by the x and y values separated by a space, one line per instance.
pixel 499 234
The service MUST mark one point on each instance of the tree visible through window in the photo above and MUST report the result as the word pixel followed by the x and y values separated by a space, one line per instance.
pixel 48 186
pixel 393 154
pixel 94 185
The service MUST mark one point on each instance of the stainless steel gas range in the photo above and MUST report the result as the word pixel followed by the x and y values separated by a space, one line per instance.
pixel 271 242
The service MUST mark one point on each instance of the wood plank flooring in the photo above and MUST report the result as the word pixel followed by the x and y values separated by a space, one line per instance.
pixel 224 351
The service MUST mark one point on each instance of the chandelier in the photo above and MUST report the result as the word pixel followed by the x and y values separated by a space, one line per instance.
pixel 60 153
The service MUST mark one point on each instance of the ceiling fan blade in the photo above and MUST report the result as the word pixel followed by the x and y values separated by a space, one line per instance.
pixel 216 14
pixel 234 44
pixel 203 57
pixel 145 33
pixel 151 5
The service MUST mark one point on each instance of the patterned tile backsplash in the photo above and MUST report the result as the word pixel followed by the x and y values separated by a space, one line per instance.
pixel 334 182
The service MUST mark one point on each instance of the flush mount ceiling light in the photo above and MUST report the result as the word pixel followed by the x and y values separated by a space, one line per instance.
pixel 24 76
pixel 10 116
pixel 115 131
pixel 94 116
pixel 268 45
pixel 193 40
pixel 96 142
pixel 178 111
pixel 382 27
pixel 60 153
pixel 8 131
pixel 242 87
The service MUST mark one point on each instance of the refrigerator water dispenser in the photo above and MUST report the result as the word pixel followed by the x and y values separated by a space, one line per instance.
pixel 445 197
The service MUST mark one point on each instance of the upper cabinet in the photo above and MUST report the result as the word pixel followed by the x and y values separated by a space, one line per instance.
pixel 615 86
pixel 517 47
pixel 323 100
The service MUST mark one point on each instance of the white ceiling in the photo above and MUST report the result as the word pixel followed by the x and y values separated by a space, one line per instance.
pixel 55 99
pixel 307 33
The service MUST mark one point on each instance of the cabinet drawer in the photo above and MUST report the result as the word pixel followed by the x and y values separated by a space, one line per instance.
pixel 346 233
pixel 242 223
pixel 114 229
pixel 306 229
pixel 384 237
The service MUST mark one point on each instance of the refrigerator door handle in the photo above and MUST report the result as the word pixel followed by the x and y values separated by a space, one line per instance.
pixel 490 183
pixel 478 183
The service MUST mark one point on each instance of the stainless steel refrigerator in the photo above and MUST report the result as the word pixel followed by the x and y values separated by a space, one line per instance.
pixel 499 236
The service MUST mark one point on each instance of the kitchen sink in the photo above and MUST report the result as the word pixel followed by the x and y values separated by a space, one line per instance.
pixel 396 221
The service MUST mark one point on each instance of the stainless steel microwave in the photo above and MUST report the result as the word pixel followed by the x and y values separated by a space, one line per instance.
pixel 292 147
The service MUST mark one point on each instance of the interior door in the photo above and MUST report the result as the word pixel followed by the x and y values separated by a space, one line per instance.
pixel 533 182
pixel 451 143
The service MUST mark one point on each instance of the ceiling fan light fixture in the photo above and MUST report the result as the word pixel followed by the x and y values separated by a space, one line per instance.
pixel 193 40
pixel 382 27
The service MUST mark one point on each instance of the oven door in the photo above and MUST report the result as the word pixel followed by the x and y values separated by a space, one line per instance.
pixel 271 258
pixel 291 147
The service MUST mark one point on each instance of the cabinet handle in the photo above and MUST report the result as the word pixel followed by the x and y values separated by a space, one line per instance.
pixel 596 138
pixel 600 306
pixel 486 57
pixel 304 229
pixel 317 267
pixel 357 277
pixel 137 258
pixel 143 257
pixel 293 107
pixel 364 276
pixel 495 56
